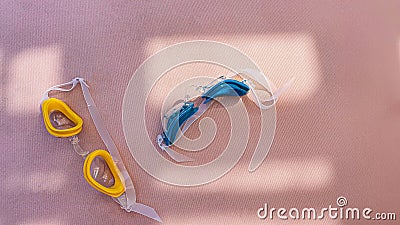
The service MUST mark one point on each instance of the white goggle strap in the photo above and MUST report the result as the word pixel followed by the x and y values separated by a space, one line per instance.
pixel 128 199
pixel 176 156
pixel 130 193
pixel 265 83
pixel 73 82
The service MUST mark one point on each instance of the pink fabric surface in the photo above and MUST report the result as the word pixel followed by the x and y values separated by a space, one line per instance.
pixel 337 129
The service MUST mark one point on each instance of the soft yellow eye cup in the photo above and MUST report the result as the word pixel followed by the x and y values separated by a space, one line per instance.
pixel 52 104
pixel 117 188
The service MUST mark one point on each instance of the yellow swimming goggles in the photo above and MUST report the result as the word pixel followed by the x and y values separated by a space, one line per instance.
pixel 103 170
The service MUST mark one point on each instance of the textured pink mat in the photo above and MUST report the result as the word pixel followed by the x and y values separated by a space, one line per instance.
pixel 338 128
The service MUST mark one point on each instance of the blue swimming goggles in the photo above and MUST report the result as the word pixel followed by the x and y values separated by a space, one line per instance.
pixel 181 116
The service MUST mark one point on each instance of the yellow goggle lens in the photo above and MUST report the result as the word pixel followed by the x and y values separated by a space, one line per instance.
pixel 104 178
pixel 59 119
